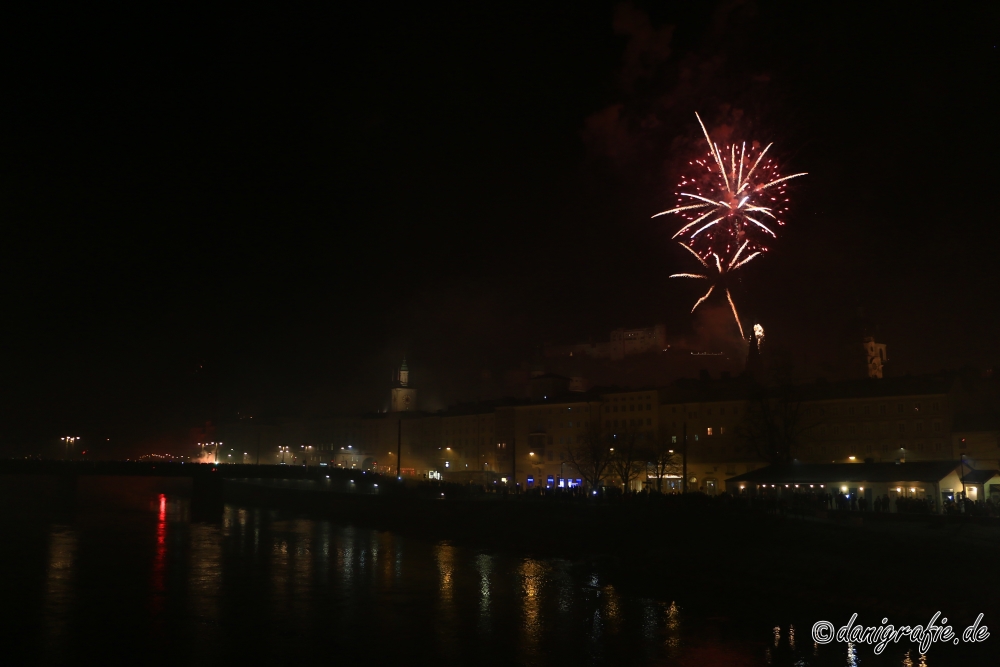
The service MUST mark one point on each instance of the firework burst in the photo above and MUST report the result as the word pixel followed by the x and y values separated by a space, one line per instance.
pixel 731 202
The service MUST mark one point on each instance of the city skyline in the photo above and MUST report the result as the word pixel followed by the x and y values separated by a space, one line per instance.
pixel 211 227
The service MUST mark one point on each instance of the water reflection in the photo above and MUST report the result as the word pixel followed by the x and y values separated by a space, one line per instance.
pixel 59 577
pixel 484 568
pixel 673 626
pixel 205 578
pixel 273 589
pixel 158 580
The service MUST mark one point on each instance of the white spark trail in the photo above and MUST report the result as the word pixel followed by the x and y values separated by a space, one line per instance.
pixel 775 182
pixel 691 250
pixel 732 162
pixel 724 178
pixel 679 209
pixel 759 158
pixel 691 224
pixel 688 275
pixel 735 314
pixel 705 227
pixel 743 151
pixel 704 199
pixel 715 152
pixel 745 261
pixel 762 226
pixel 698 302
pixel 738 253
pixel 763 209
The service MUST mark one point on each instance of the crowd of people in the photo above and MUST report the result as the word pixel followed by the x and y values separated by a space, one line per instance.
pixel 804 503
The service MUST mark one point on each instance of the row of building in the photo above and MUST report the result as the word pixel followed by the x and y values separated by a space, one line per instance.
pixel 709 422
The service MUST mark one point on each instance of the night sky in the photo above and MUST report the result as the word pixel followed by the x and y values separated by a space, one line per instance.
pixel 259 211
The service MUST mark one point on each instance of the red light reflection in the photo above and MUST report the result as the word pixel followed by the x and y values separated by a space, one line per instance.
pixel 160 559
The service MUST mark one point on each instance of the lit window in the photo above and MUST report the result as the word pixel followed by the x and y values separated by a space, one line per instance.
pixel 673 438
pixel 709 430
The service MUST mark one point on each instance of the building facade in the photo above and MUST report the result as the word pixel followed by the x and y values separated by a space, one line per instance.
pixel 711 424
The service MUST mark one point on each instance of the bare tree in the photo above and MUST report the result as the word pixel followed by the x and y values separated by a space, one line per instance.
pixel 628 458
pixel 591 456
pixel 773 423
pixel 661 459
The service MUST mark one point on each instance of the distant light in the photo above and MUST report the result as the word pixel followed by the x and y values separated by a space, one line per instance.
pixel 376 485
pixel 851 457
pixel 328 477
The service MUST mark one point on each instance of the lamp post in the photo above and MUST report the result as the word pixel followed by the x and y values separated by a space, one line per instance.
pixel 70 441
pixel 962 455
pixel 684 458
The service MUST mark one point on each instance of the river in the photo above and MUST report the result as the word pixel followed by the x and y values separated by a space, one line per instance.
pixel 254 586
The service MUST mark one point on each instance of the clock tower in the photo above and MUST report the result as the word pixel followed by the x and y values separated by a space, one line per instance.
pixel 404 397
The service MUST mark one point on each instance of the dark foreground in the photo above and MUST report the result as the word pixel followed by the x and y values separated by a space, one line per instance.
pixel 277 576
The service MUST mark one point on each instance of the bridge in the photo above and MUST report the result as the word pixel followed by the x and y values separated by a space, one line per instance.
pixel 169 469
pixel 38 484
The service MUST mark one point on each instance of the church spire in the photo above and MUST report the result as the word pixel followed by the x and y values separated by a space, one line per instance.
pixel 404 397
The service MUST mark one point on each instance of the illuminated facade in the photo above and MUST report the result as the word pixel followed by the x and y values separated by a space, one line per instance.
pixel 404 397
pixel 939 417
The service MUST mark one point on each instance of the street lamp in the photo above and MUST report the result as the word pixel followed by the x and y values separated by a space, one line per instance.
pixel 70 441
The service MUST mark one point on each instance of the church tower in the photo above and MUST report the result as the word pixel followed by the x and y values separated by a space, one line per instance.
pixel 404 397
pixel 876 357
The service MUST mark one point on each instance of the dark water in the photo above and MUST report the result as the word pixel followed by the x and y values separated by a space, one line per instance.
pixel 153 586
